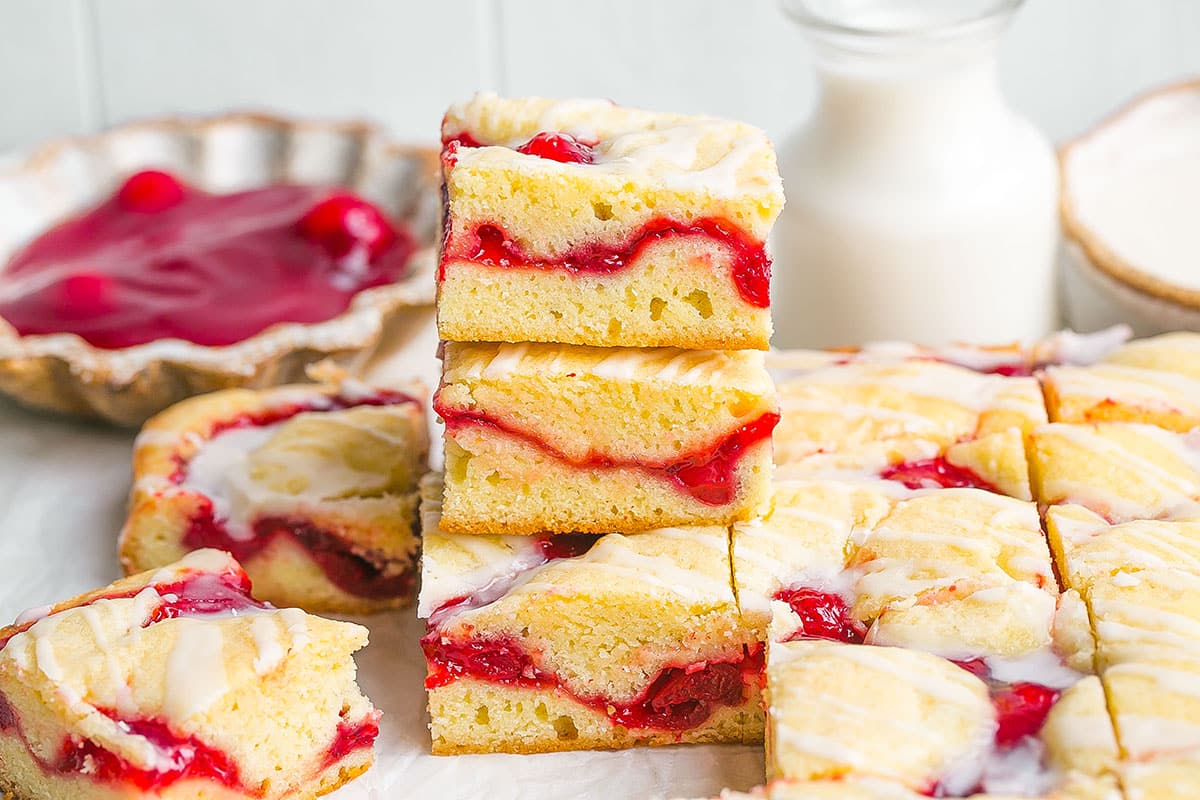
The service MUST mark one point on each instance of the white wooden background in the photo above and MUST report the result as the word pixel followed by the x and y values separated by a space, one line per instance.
pixel 77 65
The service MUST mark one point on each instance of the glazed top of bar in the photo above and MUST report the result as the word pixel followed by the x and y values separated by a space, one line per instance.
pixel 488 361
pixel 692 153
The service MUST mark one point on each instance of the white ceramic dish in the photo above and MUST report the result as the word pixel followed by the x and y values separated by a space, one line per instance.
pixel 61 372
pixel 1131 187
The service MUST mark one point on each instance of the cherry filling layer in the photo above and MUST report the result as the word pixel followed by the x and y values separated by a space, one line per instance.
pixel 709 475
pixel 823 615
pixel 160 259
pixel 1021 708
pixel 935 473
pixel 678 699
pixel 352 736
pixel 750 267
pixel 178 757
pixel 353 571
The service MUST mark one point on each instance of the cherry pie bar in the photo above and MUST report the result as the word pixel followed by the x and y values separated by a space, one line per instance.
pixel 902 415
pixel 928 726
pixel 1122 471
pixel 561 438
pixel 584 641
pixel 963 573
pixel 313 488
pixel 583 222
pixel 179 684
pixel 1154 381
pixel 1141 581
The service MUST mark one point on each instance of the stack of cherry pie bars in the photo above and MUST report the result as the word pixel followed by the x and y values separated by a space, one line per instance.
pixel 603 302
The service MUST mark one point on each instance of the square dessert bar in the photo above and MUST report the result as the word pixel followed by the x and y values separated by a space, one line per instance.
pixel 313 488
pixel 963 573
pixel 1154 381
pixel 179 684
pixel 561 438
pixel 583 222
pixel 917 420
pixel 1122 471
pixel 1141 581
pixel 578 642
pixel 893 722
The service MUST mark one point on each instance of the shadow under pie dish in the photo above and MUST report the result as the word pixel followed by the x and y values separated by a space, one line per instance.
pixel 125 287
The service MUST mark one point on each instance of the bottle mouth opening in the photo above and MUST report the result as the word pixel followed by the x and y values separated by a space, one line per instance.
pixel 900 20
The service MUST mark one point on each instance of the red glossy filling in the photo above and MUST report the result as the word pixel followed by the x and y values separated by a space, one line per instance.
pixel 196 594
pixel 935 473
pixel 1021 708
pixel 561 147
pixel 751 268
pixel 204 593
pixel 823 615
pixel 678 699
pixel 159 259
pixel 8 717
pixel 183 758
pixel 353 572
pixel 353 736
pixel 709 475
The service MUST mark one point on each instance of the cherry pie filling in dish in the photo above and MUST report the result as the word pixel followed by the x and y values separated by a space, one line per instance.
pixel 160 259
pixel 329 474
pixel 109 731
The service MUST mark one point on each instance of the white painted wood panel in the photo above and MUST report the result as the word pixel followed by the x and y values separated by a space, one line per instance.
pixel 45 69
pixel 383 60
pixel 70 65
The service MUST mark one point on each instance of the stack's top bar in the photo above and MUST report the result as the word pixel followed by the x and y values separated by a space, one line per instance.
pixel 658 221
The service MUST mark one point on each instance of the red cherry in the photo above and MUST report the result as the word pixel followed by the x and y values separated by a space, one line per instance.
pixel 561 147
pixel 150 191
pixel 86 295
pixel 823 615
pixel 1021 711
pixel 342 223
pixel 567 545
pixel 934 473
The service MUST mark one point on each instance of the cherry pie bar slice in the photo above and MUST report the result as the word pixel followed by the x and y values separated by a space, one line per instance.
pixel 584 641
pixel 562 438
pixel 1154 381
pixel 917 722
pixel 1122 471
pixel 919 421
pixel 963 573
pixel 179 684
pixel 312 488
pixel 583 222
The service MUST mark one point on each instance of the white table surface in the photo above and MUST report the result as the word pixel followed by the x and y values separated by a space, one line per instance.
pixel 63 487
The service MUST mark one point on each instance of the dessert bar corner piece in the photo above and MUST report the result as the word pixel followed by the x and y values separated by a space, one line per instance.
pixel 906 416
pixel 312 488
pixel 928 726
pixel 179 684
pixel 660 220
pixel 550 438
pixel 572 642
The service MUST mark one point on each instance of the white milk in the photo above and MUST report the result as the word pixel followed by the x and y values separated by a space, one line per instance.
pixel 919 206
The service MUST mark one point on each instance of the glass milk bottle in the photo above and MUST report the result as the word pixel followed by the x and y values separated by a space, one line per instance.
pixel 919 205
